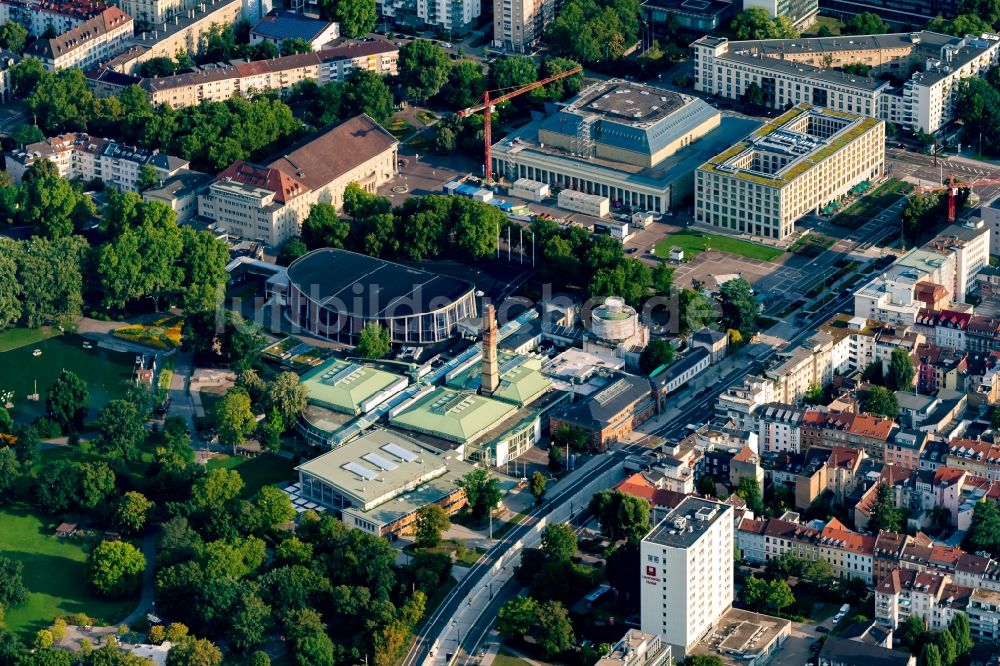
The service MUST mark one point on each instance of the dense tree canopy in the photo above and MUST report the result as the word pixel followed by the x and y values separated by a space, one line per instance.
pixel 423 69
pixel 865 23
pixel 984 530
pixel 739 307
pixel 114 568
pixel 67 401
pixel 482 490
pixel 621 516
pixel 756 23
pixel 880 401
pixel 961 25
pixel 592 30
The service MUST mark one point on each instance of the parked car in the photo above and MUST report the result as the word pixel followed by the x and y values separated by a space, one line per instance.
pixel 822 630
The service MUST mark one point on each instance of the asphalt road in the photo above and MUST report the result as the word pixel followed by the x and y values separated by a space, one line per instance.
pixel 438 622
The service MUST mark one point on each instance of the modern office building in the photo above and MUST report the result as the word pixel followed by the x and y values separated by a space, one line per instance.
pixel 80 156
pixel 635 144
pixel 335 293
pixel 379 481
pixel 87 44
pixel 701 16
pixel 902 14
pixel 268 202
pixel 518 25
pixel 686 570
pixel 800 162
pixel 790 71
pixel 802 13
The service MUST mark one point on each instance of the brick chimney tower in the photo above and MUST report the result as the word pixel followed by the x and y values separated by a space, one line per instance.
pixel 490 381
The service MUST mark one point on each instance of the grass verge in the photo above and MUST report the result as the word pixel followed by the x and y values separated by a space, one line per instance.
pixel 695 242
pixel 16 338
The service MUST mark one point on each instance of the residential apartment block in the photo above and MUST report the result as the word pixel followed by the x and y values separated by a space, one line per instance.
pixel 453 17
pixel 800 162
pixel 88 43
pixel 86 157
pixel 184 32
pixel 216 83
pixel 52 16
pixel 805 70
pixel 268 202
pixel 686 569
pixel 518 25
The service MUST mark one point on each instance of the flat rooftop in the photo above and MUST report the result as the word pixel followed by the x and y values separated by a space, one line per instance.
pixel 379 466
pixel 628 102
pixel 345 386
pixel 741 635
pixel 453 415
pixel 674 168
pixel 805 147
pixel 683 526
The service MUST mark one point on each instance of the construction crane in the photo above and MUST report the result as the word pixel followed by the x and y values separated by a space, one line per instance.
pixel 489 103
pixel 952 187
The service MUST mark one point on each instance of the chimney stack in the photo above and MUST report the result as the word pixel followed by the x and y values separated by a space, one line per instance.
pixel 490 381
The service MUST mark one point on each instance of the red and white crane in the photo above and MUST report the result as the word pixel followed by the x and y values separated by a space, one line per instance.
pixel 952 187
pixel 489 103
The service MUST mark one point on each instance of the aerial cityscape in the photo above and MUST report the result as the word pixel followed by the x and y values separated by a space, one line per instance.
pixel 511 333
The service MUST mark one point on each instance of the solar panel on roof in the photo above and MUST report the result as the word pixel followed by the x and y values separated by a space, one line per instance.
pixel 399 452
pixel 360 470
pixel 380 462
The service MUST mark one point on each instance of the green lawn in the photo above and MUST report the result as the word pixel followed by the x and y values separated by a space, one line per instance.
pixel 505 658
pixel 831 23
pixel 264 470
pixel 21 337
pixel 696 242
pixel 54 571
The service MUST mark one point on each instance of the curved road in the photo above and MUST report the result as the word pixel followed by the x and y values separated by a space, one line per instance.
pixel 438 622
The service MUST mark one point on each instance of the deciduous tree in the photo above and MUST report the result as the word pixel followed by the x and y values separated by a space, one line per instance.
pixel 880 401
pixel 432 520
pixel 324 228
pixel 621 516
pixel 373 341
pixel 67 400
pixel 884 513
pixel 755 23
pixel 658 352
pixel 132 512
pixel 234 417
pixel 984 530
pixel 13 591
pixel 865 23
pixel 114 568
pixel 482 490
pixel 120 429
pixel 558 542
pixel 537 483
pixel 901 370
pixel 423 69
